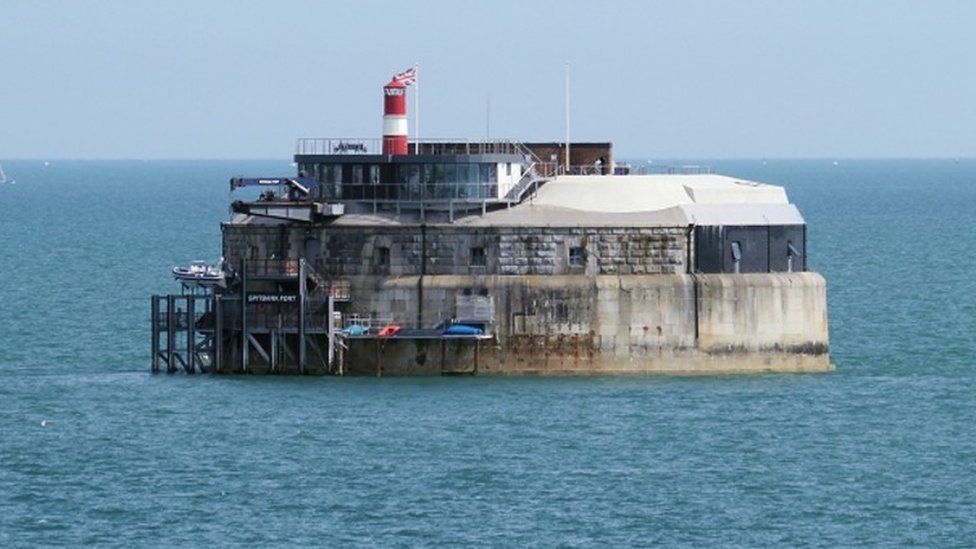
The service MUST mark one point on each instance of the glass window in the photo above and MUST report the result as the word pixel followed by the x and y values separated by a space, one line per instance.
pixel 333 175
pixel 357 174
pixel 374 174
pixel 492 180
pixel 413 181
pixel 471 181
pixel 440 181
pixel 400 191
pixel 478 256
pixel 427 179
pixel 464 184
pixel 328 172
pixel 485 178
pixel 382 256
pixel 577 256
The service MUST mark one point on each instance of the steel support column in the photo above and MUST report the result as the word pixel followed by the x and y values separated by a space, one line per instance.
pixel 301 315
pixel 170 333
pixel 244 343
pixel 191 335
pixel 155 334
pixel 218 334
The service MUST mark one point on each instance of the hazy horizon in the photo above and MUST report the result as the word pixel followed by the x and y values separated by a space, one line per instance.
pixel 617 158
pixel 693 80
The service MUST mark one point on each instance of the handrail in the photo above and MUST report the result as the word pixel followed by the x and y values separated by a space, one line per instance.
pixel 624 169
pixel 338 145
pixel 527 152
pixel 529 178
pixel 665 169
pixel 435 146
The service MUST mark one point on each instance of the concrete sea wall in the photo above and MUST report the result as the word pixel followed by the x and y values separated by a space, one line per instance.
pixel 625 324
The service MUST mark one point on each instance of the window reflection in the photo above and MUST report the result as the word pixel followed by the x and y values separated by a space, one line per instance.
pixel 414 181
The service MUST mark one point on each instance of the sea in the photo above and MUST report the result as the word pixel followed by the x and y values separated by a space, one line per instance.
pixel 96 451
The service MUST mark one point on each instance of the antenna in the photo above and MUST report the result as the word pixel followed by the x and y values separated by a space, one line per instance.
pixel 488 117
pixel 567 116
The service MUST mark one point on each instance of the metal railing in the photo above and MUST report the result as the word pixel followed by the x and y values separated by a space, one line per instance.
pixel 369 322
pixel 533 176
pixel 663 169
pixel 282 316
pixel 414 192
pixel 435 147
pixel 181 319
pixel 339 145
pixel 551 169
pixel 339 290
pixel 272 267
pixel 450 146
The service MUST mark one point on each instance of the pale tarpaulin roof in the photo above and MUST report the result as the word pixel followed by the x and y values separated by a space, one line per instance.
pixel 617 201
pixel 649 200
pixel 642 193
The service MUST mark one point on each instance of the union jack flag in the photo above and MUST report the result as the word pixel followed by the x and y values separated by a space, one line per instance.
pixel 407 77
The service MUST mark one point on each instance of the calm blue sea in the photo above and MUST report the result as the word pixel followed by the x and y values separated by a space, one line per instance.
pixel 96 451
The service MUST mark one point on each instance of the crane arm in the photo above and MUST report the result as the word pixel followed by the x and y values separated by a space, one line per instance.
pixel 299 188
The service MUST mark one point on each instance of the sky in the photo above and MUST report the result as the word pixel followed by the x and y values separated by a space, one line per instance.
pixel 681 79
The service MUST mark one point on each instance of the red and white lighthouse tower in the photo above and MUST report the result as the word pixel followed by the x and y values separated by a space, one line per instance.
pixel 395 112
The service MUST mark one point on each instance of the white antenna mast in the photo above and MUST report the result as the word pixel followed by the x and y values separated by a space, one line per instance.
pixel 567 116
pixel 488 117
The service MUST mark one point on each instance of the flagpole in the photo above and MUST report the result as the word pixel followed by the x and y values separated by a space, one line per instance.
pixel 416 110
pixel 488 117
pixel 567 117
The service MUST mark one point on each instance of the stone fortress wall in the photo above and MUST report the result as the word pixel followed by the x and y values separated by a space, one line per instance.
pixel 632 303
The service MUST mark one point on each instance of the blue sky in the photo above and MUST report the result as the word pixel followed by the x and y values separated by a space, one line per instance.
pixel 221 79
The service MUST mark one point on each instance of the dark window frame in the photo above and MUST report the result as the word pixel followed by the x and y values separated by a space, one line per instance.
pixel 479 256
pixel 381 257
pixel 577 256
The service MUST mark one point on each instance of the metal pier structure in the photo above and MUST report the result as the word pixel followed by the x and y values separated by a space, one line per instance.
pixel 274 317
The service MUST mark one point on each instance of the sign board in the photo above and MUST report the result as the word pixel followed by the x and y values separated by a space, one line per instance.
pixel 477 308
pixel 271 298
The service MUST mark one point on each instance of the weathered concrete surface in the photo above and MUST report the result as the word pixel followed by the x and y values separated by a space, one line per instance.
pixel 348 251
pixel 628 324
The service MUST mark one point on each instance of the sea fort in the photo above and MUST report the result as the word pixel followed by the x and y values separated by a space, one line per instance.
pixel 392 256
